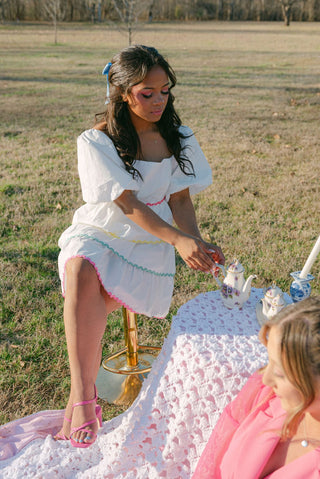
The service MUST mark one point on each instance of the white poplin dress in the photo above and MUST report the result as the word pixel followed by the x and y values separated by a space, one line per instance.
pixel 134 267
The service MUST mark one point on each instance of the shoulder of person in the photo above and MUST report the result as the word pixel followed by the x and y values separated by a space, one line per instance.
pixel 95 137
pixel 188 136
pixel 96 140
pixel 189 139
pixel 186 131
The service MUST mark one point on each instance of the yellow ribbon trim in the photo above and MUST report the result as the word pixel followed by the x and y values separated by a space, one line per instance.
pixel 113 235
pixel 133 241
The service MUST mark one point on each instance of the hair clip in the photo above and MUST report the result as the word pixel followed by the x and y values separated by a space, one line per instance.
pixel 105 71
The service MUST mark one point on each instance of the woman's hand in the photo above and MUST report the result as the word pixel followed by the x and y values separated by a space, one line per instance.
pixel 194 251
pixel 218 257
pixel 215 252
pixel 198 254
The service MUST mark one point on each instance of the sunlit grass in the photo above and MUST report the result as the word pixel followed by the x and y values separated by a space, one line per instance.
pixel 251 93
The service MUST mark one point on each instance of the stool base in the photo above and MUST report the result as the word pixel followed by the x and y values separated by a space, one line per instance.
pixel 119 383
pixel 139 362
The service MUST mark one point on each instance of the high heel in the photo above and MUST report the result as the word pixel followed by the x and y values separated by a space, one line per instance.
pixel 83 427
pixel 99 414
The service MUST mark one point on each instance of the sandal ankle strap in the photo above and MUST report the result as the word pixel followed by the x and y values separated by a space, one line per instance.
pixel 89 401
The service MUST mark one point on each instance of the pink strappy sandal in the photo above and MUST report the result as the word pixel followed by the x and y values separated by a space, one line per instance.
pixel 83 427
pixel 61 436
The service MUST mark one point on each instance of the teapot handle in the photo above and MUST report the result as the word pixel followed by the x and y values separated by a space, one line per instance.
pixel 221 267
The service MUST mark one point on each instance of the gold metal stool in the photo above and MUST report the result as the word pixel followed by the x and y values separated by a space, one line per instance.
pixel 121 375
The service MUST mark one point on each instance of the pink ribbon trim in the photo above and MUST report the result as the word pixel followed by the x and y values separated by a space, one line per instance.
pixel 157 203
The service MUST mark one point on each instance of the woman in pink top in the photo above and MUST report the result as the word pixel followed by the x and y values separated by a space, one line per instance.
pixel 272 429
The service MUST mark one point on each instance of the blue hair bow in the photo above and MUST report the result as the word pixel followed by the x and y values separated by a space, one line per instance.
pixel 105 71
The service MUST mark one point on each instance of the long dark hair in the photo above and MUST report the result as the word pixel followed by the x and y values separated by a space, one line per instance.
pixel 128 68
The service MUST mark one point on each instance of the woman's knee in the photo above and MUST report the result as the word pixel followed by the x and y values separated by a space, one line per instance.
pixel 81 275
pixel 111 303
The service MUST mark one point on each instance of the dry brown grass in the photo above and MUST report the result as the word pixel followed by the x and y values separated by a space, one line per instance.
pixel 251 93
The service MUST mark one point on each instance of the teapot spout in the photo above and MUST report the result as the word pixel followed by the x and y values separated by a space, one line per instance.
pixel 246 290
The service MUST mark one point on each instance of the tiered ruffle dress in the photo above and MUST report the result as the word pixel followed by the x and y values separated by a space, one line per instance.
pixel 134 267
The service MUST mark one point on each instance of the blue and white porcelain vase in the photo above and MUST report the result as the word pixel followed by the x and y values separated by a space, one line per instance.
pixel 300 288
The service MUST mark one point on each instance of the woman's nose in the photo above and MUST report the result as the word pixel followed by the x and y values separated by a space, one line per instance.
pixel 267 377
pixel 158 99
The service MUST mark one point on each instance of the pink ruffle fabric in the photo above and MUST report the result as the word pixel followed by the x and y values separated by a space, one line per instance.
pixel 253 394
pixel 15 435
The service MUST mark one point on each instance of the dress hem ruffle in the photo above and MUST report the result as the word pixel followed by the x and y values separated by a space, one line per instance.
pixel 134 265
pixel 113 296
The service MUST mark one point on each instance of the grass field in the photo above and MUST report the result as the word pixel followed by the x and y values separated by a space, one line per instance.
pixel 250 92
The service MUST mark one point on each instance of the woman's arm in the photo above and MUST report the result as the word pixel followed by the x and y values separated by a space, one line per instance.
pixel 185 218
pixel 188 243
pixel 183 212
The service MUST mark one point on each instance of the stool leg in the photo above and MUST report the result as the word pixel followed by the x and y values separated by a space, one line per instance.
pixel 130 336
pixel 121 374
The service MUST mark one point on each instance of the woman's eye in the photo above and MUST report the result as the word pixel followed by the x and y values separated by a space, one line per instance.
pixel 149 95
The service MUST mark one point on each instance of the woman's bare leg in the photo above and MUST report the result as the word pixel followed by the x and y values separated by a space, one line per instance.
pixel 85 313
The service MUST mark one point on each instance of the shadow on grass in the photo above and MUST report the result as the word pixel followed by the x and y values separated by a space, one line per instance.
pixel 39 259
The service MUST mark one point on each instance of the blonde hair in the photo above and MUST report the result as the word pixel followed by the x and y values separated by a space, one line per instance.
pixel 299 327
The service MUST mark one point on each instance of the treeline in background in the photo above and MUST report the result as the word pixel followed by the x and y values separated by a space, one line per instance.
pixel 159 10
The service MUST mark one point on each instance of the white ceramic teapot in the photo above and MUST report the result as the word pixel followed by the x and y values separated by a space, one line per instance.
pixel 272 302
pixel 235 290
pixel 276 305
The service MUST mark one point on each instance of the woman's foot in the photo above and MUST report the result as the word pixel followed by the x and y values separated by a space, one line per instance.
pixel 86 418
pixel 64 433
pixel 70 415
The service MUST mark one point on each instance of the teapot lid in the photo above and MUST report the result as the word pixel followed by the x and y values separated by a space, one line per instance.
pixel 273 291
pixel 235 267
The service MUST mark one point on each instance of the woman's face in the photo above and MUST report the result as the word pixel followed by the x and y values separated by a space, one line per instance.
pixel 148 99
pixel 275 376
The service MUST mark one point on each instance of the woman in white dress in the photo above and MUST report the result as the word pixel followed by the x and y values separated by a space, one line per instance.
pixel 138 167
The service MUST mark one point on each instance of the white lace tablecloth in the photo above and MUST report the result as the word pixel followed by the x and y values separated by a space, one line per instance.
pixel 205 360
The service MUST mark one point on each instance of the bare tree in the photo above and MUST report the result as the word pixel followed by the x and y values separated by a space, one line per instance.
pixel 286 6
pixel 12 10
pixel 3 4
pixel 55 10
pixel 129 12
pixel 91 8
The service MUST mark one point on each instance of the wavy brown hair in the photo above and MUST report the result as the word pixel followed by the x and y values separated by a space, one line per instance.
pixel 299 327
pixel 128 68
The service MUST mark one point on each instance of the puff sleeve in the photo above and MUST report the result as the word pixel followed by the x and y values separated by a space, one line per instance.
pixel 103 176
pixel 202 170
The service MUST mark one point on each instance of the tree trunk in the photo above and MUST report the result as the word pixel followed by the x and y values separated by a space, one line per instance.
pixel 55 30
pixel 218 10
pixel 130 35
pixel 286 12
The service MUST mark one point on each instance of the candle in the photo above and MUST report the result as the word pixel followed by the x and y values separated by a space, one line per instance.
pixel 312 257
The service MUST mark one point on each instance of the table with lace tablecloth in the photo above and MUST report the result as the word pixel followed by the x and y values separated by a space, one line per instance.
pixel 205 360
